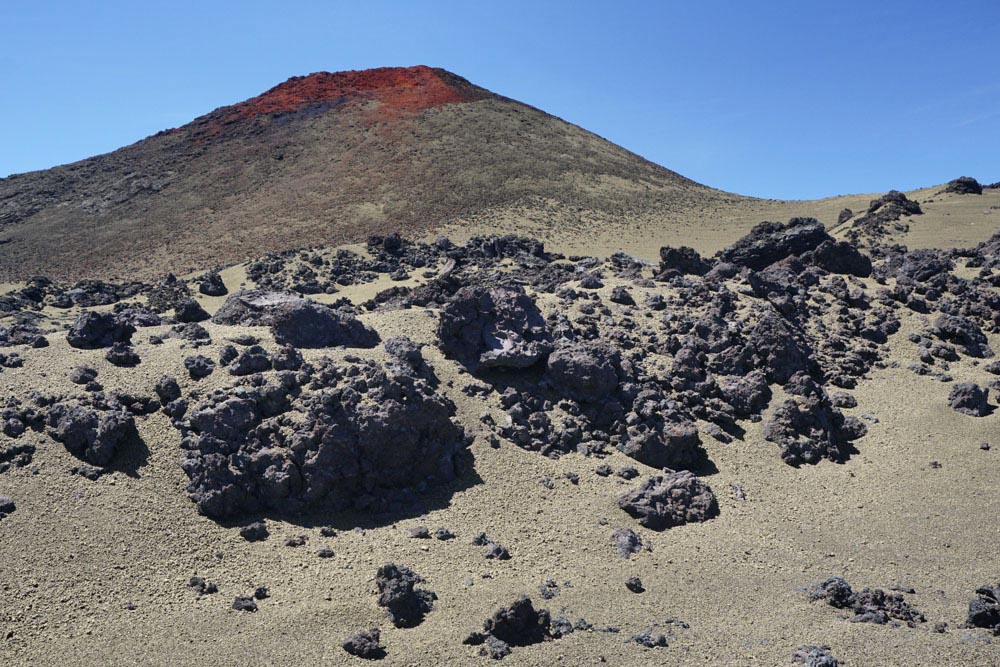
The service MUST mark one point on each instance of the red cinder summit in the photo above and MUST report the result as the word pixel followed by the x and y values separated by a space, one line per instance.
pixel 396 89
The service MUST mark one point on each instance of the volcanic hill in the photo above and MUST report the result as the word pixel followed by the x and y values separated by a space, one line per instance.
pixel 326 158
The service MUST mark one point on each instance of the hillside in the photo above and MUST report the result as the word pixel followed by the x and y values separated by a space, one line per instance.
pixel 322 159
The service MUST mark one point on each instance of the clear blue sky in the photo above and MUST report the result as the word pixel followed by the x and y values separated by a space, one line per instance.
pixel 788 99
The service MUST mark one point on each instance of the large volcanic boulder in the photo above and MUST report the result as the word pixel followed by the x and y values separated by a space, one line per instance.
pixel 91 434
pixel 964 185
pixel 518 624
pixel 672 500
pixel 970 399
pixel 770 242
pixel 809 429
pixel 963 332
pixel 893 205
pixel 294 320
pixel 585 371
pixel 984 609
pixel 93 329
pixel 772 345
pixel 358 435
pixel 493 328
pixel 839 257
pixel 924 264
pixel 683 260
pixel 404 603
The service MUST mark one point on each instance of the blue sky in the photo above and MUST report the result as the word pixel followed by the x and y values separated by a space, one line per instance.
pixel 778 99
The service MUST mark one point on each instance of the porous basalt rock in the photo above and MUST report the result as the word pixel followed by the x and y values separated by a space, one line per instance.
pixel 770 242
pixel 294 320
pixel 90 433
pixel 351 435
pixel 984 609
pixel 666 501
pixel 867 606
pixel 493 328
pixel 365 644
pixel 970 399
pixel 93 329
pixel 404 603
pixel 518 624
pixel 809 429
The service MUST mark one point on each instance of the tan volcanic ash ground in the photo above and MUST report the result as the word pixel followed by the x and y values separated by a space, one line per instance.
pixel 76 552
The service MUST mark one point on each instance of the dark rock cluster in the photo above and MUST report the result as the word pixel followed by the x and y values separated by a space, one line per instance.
pixel 353 435
pixel 518 624
pixel 984 609
pixel 672 500
pixel 405 605
pixel 871 605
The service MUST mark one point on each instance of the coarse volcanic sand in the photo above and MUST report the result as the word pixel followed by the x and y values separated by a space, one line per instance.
pixel 76 554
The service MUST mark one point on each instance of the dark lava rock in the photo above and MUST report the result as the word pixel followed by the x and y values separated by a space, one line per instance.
pixel 167 389
pixel 964 185
pixel 984 610
pixel 82 375
pixel 188 310
pixel 814 656
pixel 627 542
pixel 287 358
pixel 491 549
pixel 405 350
pixel 362 436
pixel 365 644
pixel 93 329
pixel 868 606
pixel 211 284
pixel 493 328
pixel 621 295
pixel 770 242
pixel 969 399
pixel 294 320
pixel 405 604
pixel 585 371
pixel 664 502
pixel 683 260
pixel 7 506
pixel 518 624
pixel 419 533
pixel 809 429
pixel 650 638
pixel 894 199
pixel 245 603
pixel 443 534
pixel 254 532
pixel 845 215
pixel 203 587
pixel 924 265
pixel 634 584
pixel 91 434
pixel 122 354
pixel 254 359
pixel 199 366
pixel 963 332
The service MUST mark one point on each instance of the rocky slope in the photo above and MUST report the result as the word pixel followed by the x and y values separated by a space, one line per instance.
pixel 442 453
pixel 316 160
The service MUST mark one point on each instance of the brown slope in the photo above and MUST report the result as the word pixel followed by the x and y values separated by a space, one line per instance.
pixel 326 158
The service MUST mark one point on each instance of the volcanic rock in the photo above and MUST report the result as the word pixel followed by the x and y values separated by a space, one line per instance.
pixel 405 604
pixel 493 328
pixel 664 502
pixel 93 329
pixel 365 644
pixel 294 320
pixel 969 399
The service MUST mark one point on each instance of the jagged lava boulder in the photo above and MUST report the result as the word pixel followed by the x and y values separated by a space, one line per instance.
pixel 359 435
pixel 666 501
pixel 294 320
pixel 94 329
pixel 493 328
